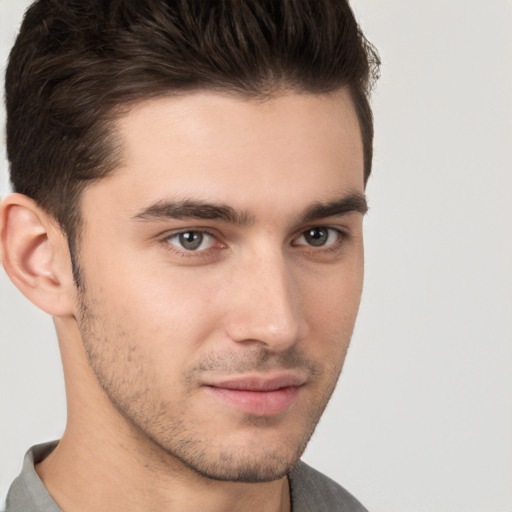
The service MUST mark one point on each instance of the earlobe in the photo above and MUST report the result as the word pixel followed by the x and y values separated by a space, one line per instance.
pixel 34 254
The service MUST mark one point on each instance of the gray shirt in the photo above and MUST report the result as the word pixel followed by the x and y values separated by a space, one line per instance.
pixel 310 490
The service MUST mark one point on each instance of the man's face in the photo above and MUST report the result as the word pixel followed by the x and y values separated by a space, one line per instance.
pixel 222 268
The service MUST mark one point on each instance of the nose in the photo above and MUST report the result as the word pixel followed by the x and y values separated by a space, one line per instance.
pixel 265 303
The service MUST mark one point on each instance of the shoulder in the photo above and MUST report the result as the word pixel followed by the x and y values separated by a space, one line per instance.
pixel 27 492
pixel 314 492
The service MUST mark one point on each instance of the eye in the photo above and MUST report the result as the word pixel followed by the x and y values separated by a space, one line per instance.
pixel 192 240
pixel 319 237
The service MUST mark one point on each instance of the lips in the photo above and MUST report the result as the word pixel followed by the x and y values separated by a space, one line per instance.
pixel 256 395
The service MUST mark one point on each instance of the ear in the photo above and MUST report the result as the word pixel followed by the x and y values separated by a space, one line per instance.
pixel 35 255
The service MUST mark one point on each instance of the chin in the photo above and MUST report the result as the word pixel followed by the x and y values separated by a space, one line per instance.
pixel 247 469
pixel 255 449
pixel 259 459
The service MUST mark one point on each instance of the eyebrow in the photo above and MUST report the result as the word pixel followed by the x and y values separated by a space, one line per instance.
pixel 190 209
pixel 352 203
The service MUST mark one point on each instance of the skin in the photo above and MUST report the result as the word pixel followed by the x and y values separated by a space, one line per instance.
pixel 159 330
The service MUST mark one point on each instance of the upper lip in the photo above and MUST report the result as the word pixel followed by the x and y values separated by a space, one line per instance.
pixel 260 382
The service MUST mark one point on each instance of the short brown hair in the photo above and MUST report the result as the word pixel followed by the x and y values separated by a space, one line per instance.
pixel 76 63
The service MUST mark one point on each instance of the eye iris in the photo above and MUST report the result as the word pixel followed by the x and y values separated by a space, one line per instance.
pixel 316 236
pixel 191 240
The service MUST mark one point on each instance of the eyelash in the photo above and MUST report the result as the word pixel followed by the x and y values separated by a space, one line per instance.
pixel 191 253
pixel 341 238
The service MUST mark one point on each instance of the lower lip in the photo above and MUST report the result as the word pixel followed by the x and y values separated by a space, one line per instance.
pixel 258 403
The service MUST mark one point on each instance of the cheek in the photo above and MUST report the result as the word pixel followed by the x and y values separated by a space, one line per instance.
pixel 330 305
pixel 164 308
pixel 333 297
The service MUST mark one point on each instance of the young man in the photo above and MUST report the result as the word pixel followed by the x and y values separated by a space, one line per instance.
pixel 189 192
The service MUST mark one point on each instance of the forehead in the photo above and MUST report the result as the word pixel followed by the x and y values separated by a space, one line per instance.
pixel 291 148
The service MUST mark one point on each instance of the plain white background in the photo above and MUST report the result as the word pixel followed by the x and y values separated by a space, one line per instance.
pixel 422 418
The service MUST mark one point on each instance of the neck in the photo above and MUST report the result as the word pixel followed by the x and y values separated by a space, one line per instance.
pixel 83 477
